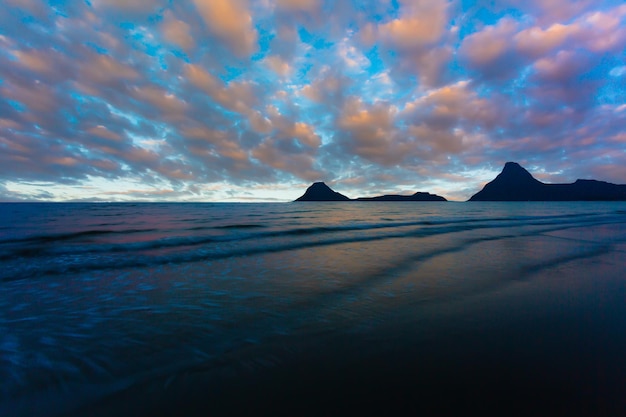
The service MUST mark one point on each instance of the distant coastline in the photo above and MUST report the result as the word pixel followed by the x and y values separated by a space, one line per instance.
pixel 514 183
pixel 319 191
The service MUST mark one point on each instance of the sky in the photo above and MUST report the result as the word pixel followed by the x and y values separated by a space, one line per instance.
pixel 235 100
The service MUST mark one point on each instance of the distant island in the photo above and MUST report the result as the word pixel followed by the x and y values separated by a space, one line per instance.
pixel 515 183
pixel 418 196
pixel 319 191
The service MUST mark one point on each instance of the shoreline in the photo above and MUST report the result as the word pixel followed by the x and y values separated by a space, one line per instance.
pixel 498 308
pixel 469 354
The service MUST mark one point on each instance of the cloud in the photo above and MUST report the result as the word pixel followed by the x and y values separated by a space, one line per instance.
pixel 368 132
pixel 200 97
pixel 167 103
pixel 605 31
pixel 328 88
pixel 104 133
pixel 290 146
pixel 453 105
pixel 490 50
pixel 564 67
pixel 33 60
pixel 177 32
pixel 133 8
pixel 298 5
pixel 31 8
pixel 230 21
pixel 299 164
pixel 419 39
pixel 421 24
pixel 102 70
pixel 548 12
pixel 503 50
pixel 38 97
pixel 238 96
pixel 536 41
pixel 278 65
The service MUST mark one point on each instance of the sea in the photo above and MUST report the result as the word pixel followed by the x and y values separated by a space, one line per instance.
pixel 313 309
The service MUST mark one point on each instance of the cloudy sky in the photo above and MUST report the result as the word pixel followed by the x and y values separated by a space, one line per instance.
pixel 235 100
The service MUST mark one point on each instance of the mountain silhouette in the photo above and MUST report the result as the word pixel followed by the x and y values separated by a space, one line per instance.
pixel 419 196
pixel 515 183
pixel 321 192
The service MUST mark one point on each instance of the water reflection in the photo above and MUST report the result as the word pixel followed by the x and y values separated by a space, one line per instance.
pixel 360 307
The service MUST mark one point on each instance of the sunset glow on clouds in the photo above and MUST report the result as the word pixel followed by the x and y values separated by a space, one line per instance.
pixel 222 100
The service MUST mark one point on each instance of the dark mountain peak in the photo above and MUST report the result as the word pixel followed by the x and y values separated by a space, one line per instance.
pixel 424 196
pixel 319 191
pixel 515 173
pixel 512 165
pixel 514 183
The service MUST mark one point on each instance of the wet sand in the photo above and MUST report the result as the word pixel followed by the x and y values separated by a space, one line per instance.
pixel 542 336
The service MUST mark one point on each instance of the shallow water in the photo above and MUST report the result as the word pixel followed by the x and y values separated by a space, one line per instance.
pixel 312 308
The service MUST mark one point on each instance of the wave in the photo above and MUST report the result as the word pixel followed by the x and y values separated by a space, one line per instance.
pixel 41 257
pixel 240 226
pixel 60 237
pixel 31 260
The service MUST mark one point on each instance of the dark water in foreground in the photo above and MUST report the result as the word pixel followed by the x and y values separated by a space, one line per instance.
pixel 313 309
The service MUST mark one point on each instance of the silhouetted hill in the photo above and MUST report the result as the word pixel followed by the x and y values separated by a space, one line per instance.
pixel 419 196
pixel 321 192
pixel 514 183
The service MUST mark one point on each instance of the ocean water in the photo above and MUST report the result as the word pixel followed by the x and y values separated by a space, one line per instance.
pixel 313 309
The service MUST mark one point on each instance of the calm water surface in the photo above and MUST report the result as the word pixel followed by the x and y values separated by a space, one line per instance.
pixel 312 309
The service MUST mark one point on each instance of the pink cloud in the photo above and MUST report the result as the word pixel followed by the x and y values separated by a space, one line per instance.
pixel 420 37
pixel 237 96
pixel 490 44
pixel 33 60
pixel 298 5
pixel 37 96
pixel 278 65
pixel 102 70
pixel 536 42
pixel 449 106
pixel 231 21
pixel 33 8
pixel 416 31
pixel 177 31
pixel 368 131
pixel 104 133
pixel 605 31
pixel 565 66
pixel 300 165
pixel 134 6
pixel 548 12
pixel 169 105
pixel 220 90
pixel 327 88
